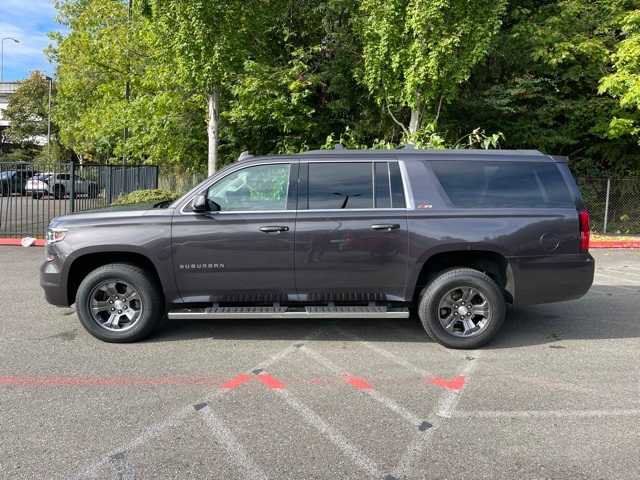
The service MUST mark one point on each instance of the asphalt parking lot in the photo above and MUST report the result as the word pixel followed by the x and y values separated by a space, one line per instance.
pixel 557 396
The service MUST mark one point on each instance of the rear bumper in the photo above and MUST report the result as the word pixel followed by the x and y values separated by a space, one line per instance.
pixel 553 278
pixel 52 282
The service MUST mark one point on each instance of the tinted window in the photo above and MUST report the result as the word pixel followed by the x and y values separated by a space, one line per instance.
pixel 474 184
pixel 382 187
pixel 64 177
pixel 340 185
pixel 263 187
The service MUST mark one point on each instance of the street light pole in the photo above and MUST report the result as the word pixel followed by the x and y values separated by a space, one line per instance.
pixel 2 55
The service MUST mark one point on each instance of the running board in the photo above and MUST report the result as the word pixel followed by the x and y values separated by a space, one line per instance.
pixel 290 312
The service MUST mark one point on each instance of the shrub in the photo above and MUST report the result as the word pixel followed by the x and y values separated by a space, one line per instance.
pixel 146 196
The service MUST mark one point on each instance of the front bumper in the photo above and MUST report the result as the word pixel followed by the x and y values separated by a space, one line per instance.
pixel 553 278
pixel 52 282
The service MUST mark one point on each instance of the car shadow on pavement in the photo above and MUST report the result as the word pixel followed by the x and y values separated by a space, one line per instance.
pixel 374 330
pixel 606 312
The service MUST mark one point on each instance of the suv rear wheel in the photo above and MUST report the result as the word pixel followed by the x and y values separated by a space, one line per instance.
pixel 462 308
pixel 119 303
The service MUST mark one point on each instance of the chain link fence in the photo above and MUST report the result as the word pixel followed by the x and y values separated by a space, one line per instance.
pixel 614 204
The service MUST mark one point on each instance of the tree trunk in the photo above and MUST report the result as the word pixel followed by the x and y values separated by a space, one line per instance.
pixel 416 115
pixel 213 124
pixel 414 123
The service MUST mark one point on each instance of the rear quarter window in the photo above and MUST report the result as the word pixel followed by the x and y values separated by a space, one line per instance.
pixel 474 184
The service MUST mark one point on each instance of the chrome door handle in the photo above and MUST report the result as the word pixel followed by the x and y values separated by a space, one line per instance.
pixel 274 228
pixel 386 226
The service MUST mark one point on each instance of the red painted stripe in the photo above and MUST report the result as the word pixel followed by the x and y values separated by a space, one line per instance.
pixel 614 244
pixel 15 242
pixel 270 382
pixel 455 383
pixel 62 381
pixel 236 381
pixel 358 382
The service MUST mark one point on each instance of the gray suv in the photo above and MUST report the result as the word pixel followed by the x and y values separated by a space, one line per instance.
pixel 453 236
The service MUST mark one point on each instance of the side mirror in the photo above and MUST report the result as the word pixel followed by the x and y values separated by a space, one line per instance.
pixel 201 204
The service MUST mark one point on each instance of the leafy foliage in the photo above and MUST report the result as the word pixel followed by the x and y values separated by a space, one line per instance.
pixel 561 76
pixel 28 111
pixel 146 196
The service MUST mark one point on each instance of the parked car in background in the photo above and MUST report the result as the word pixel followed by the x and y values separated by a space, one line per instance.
pixel 59 185
pixel 14 181
pixel 453 236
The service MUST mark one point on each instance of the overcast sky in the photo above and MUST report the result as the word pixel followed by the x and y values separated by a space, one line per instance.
pixel 28 21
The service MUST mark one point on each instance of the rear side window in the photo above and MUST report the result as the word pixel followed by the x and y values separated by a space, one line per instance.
pixel 474 184
pixel 340 185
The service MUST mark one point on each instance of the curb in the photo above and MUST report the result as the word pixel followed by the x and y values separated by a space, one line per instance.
pixel 615 244
pixel 15 242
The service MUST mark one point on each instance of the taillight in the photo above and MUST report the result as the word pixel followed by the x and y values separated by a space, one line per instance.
pixel 585 230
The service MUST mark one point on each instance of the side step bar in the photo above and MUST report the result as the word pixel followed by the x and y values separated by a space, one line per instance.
pixel 290 312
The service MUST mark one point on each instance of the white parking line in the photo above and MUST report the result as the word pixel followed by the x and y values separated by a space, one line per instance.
pixel 312 418
pixel 634 412
pixel 178 417
pixel 387 354
pixel 376 395
pixel 599 277
pixel 445 408
pixel 635 276
pixel 235 450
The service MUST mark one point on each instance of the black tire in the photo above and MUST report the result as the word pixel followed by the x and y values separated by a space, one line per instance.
pixel 150 294
pixel 58 192
pixel 37 196
pixel 431 296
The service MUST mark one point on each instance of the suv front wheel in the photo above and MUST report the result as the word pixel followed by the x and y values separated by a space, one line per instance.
pixel 119 303
pixel 462 308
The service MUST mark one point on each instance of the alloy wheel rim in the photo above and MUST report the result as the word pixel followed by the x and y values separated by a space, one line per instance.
pixel 115 305
pixel 464 312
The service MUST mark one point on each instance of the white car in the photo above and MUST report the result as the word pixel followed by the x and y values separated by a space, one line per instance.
pixel 59 185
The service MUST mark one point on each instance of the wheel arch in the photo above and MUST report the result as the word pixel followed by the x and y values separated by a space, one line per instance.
pixel 86 262
pixel 493 263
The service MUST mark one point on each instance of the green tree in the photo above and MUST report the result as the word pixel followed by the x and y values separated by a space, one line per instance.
pixel 118 95
pixel 539 84
pixel 624 82
pixel 212 41
pixel 28 111
pixel 418 52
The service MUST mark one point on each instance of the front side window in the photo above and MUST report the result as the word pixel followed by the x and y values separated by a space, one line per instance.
pixel 340 185
pixel 262 187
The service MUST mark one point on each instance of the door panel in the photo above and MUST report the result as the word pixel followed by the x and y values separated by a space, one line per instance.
pixel 345 249
pixel 225 257
pixel 244 252
pixel 340 258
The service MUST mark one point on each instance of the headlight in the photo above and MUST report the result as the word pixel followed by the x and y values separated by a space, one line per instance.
pixel 55 235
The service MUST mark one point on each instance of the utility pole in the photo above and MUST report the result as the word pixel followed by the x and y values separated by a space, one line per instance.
pixel 2 54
